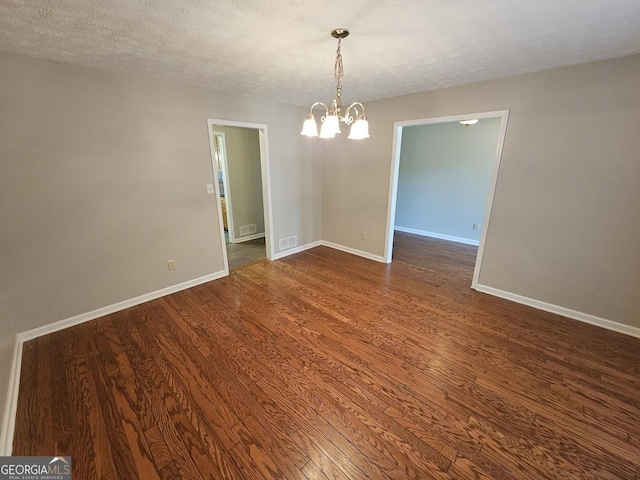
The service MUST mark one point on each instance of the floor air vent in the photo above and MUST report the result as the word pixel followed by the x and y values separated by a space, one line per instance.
pixel 248 229
pixel 288 242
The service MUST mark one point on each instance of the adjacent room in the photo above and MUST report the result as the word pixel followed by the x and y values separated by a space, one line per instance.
pixel 270 239
pixel 444 178
pixel 237 159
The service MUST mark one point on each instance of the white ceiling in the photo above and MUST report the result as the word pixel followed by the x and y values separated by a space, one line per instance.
pixel 282 49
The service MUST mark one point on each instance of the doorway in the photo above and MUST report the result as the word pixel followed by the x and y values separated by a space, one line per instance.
pixel 395 170
pixel 240 164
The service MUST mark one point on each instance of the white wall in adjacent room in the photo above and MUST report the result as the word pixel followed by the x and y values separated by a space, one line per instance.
pixel 444 175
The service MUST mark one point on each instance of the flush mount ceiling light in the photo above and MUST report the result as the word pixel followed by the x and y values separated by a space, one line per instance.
pixel 468 123
pixel 333 116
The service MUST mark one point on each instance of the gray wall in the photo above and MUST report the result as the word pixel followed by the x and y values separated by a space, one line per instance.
pixel 564 227
pixel 444 176
pixel 103 179
pixel 244 177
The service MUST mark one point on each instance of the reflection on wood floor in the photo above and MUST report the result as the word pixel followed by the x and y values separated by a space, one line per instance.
pixel 246 253
pixel 327 365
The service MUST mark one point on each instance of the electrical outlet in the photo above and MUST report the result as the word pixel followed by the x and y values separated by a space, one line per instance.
pixel 210 189
pixel 476 226
pixel 171 264
pixel 363 235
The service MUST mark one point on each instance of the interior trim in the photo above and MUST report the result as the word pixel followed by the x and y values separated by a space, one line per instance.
pixel 248 238
pixel 565 312
pixel 11 407
pixel 442 236
pixel 354 251
pixel 116 307
pixel 265 162
pixel 291 251
pixel 395 171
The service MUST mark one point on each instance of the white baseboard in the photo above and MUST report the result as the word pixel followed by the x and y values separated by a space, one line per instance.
pixel 11 407
pixel 9 417
pixel 324 243
pixel 565 312
pixel 354 251
pixel 468 241
pixel 246 238
pixel 291 251
pixel 116 307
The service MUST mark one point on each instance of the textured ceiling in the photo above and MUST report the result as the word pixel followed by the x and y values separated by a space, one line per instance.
pixel 282 50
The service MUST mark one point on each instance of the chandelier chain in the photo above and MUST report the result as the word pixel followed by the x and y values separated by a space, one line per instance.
pixel 339 75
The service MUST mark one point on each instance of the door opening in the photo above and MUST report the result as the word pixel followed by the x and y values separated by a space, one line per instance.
pixel 395 170
pixel 240 164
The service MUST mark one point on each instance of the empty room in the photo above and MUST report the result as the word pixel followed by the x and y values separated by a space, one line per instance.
pixel 443 197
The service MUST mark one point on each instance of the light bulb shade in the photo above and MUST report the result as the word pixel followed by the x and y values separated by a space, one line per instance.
pixel 359 129
pixel 467 123
pixel 310 127
pixel 330 126
pixel 325 131
pixel 333 124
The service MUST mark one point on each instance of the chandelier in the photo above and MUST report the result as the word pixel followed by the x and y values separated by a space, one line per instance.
pixel 333 115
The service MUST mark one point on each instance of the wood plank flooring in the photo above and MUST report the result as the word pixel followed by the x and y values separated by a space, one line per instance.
pixel 324 365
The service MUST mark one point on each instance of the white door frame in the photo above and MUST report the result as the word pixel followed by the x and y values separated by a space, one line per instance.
pixel 266 180
pixel 225 180
pixel 395 166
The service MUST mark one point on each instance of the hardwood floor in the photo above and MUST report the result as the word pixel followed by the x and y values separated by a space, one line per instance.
pixel 326 365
